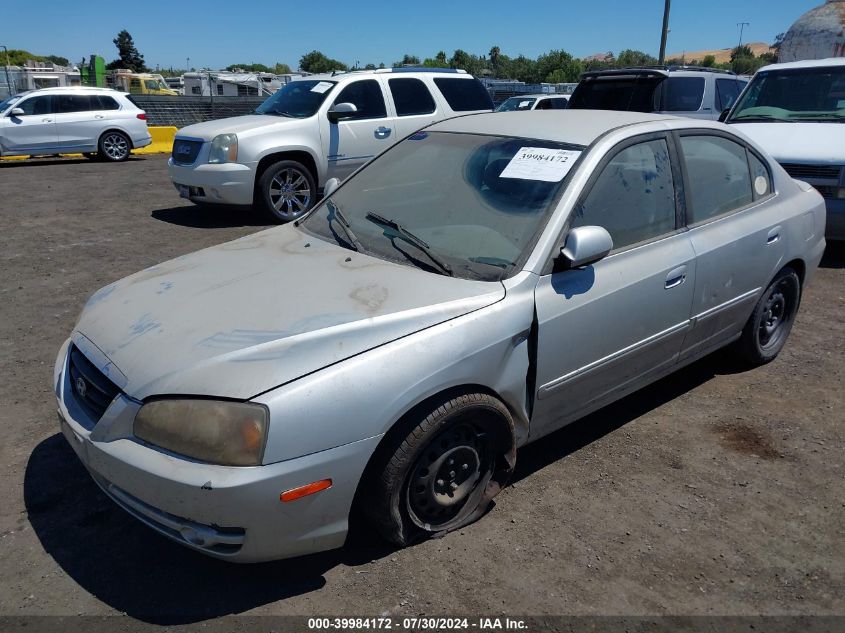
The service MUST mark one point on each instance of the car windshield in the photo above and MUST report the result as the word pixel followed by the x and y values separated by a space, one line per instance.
pixel 8 101
pixel 298 99
pixel 800 94
pixel 634 93
pixel 477 203
pixel 516 103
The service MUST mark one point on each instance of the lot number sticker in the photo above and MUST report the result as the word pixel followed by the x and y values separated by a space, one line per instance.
pixel 322 87
pixel 539 163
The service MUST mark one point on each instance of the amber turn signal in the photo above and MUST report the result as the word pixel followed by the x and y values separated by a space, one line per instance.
pixel 303 491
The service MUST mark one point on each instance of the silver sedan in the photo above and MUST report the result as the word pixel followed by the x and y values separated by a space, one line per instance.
pixel 477 286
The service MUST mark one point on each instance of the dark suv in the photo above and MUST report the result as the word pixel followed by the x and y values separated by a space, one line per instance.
pixel 690 91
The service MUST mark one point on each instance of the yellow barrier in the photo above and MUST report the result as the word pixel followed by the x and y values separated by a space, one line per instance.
pixel 162 144
pixel 162 140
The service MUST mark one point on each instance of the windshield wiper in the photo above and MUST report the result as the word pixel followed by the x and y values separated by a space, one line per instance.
pixel 405 235
pixel 760 117
pixel 344 224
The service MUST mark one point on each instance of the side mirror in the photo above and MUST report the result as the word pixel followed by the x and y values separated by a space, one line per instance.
pixel 17 112
pixel 723 115
pixel 330 186
pixel 586 245
pixel 342 111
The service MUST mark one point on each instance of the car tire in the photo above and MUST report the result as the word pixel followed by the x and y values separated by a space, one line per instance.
pixel 114 146
pixel 286 190
pixel 441 471
pixel 768 327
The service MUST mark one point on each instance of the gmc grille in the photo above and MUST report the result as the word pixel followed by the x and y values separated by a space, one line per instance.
pixel 821 172
pixel 92 390
pixel 185 152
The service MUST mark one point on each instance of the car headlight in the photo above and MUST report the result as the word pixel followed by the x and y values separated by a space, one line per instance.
pixel 214 431
pixel 224 149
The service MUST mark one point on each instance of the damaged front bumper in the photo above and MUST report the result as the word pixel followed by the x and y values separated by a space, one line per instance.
pixel 232 513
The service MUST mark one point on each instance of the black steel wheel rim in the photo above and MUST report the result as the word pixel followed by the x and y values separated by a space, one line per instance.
pixel 290 194
pixel 446 475
pixel 776 314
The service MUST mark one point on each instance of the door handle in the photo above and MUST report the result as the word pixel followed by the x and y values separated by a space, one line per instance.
pixel 46 120
pixel 382 132
pixel 99 116
pixel 676 277
pixel 773 236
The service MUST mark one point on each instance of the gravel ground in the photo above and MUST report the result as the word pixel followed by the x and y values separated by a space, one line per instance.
pixel 717 490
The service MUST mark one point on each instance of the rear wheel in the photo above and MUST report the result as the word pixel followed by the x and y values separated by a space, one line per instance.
pixel 443 473
pixel 114 146
pixel 769 325
pixel 286 190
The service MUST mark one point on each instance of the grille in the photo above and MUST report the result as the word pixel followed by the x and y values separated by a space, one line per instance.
pixel 825 172
pixel 185 152
pixel 93 391
pixel 827 191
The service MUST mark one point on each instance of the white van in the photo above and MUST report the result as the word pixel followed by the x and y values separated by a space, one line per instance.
pixel 796 111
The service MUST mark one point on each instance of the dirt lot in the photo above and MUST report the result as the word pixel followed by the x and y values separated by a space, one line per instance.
pixel 716 491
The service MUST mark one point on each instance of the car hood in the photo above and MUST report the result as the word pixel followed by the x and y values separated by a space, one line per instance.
pixel 258 123
pixel 811 143
pixel 238 319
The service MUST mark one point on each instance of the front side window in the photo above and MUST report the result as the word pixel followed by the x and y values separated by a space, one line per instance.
pixel 471 199
pixel 633 197
pixel 411 97
pixel 800 94
pixel 366 96
pixel 298 99
pixel 514 104
pixel 464 95
pixel 719 180
pixel 37 105
pixel 682 94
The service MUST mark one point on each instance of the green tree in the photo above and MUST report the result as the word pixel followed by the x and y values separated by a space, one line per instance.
pixel 495 55
pixel 281 69
pixel 316 62
pixel 370 67
pixel 250 68
pixel 407 60
pixel 18 57
pixel 633 59
pixel 709 61
pixel 557 66
pixel 439 61
pixel 128 55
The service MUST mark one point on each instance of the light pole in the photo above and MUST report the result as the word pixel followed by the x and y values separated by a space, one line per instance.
pixel 664 33
pixel 741 26
pixel 8 81
pixel 187 64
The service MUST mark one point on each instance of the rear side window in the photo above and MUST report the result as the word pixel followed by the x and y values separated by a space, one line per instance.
pixel 719 179
pixel 634 197
pixel 411 97
pixel 78 103
pixel 727 90
pixel 761 179
pixel 37 105
pixel 367 97
pixel 464 95
pixel 104 102
pixel 682 94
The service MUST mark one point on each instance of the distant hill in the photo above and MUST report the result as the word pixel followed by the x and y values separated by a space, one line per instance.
pixel 722 54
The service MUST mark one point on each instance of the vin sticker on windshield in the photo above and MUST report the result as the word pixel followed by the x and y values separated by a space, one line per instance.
pixel 322 87
pixel 540 163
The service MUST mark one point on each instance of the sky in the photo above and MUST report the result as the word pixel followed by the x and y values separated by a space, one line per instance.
pixel 215 34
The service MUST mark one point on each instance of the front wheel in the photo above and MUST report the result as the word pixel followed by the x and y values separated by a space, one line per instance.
pixel 286 190
pixel 443 474
pixel 769 325
pixel 114 146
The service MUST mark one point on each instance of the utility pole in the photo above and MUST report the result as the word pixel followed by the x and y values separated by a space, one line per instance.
pixel 741 26
pixel 664 33
pixel 8 81
pixel 187 64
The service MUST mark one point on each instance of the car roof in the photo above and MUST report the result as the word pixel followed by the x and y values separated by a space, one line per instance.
pixel 410 70
pixel 579 127
pixel 805 63
pixel 77 89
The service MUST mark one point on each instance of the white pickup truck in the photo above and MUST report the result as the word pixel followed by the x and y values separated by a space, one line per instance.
pixel 796 112
pixel 313 129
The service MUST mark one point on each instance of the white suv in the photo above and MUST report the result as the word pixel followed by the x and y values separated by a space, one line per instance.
pixel 311 130
pixel 93 121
